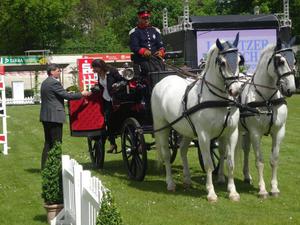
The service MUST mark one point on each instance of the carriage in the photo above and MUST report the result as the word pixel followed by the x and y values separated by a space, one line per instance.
pixel 131 120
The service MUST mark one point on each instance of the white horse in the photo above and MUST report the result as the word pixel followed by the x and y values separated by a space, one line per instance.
pixel 216 117
pixel 273 79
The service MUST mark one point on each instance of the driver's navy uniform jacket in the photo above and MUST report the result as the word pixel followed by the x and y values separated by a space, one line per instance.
pixel 142 39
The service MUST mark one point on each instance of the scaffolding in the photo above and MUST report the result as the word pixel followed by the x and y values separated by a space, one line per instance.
pixel 183 21
pixel 284 18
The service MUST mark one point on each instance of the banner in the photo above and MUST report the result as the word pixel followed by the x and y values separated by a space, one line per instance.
pixel 86 76
pixel 251 43
pixel 111 57
pixel 22 60
pixel 2 70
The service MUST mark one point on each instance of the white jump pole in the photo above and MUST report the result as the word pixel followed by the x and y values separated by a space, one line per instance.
pixel 3 136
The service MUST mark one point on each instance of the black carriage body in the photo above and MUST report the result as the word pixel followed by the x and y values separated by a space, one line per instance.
pixel 135 102
pixel 126 110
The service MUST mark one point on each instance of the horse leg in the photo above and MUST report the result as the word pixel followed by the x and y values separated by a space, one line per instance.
pixel 162 139
pixel 246 149
pixel 230 143
pixel 222 151
pixel 256 143
pixel 276 141
pixel 184 144
pixel 204 142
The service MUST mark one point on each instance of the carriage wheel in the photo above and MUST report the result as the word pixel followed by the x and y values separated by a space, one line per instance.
pixel 173 144
pixel 96 150
pixel 134 150
pixel 214 154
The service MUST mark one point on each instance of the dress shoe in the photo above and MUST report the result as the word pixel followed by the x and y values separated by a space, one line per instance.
pixel 113 149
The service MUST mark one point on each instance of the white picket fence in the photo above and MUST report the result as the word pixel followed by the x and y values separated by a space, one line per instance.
pixel 25 101
pixel 82 195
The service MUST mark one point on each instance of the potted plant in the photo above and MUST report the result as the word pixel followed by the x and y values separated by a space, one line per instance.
pixel 52 191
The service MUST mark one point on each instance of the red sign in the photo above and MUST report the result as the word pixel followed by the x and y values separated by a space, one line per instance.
pixel 111 57
pixel 2 138
pixel 2 70
pixel 86 76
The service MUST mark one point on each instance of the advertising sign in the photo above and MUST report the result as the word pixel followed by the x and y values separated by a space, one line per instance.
pixel 251 43
pixel 111 57
pixel 2 70
pixel 86 77
pixel 22 60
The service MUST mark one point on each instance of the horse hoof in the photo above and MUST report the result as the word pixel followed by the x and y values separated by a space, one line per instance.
pixel 247 181
pixel 187 186
pixel 171 188
pixel 212 199
pixel 234 197
pixel 275 194
pixel 221 180
pixel 263 195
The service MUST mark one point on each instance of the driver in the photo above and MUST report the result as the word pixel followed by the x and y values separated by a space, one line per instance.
pixel 145 41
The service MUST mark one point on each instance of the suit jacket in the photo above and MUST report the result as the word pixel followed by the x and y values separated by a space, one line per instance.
pixel 52 96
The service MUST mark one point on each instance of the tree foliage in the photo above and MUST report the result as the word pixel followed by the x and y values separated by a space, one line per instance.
pixel 86 26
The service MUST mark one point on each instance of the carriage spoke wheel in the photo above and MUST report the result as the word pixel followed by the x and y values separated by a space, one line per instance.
pixel 215 157
pixel 173 144
pixel 96 150
pixel 134 150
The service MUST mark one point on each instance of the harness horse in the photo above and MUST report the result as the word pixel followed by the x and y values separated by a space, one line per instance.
pixel 273 80
pixel 209 111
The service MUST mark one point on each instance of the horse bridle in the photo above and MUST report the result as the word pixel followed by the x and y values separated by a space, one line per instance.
pixel 231 56
pixel 289 56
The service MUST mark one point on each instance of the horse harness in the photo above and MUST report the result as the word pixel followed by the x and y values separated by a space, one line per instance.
pixel 204 105
pixel 288 54
pixel 230 53
pixel 187 112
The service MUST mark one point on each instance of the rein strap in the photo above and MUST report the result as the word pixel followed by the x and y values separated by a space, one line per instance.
pixel 198 107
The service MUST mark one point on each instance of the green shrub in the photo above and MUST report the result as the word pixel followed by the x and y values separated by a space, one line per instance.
pixel 109 214
pixel 8 92
pixel 73 88
pixel 28 93
pixel 52 190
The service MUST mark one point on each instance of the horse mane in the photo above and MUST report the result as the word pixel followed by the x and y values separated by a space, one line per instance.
pixel 265 55
pixel 211 55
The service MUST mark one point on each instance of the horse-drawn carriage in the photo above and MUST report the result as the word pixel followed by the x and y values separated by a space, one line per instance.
pixel 131 119
pixel 210 110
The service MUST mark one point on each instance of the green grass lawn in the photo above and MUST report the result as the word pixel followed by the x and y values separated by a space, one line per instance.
pixel 148 202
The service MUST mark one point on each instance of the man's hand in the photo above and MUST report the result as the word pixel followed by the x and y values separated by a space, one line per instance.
pixel 86 93
pixel 159 54
pixel 147 53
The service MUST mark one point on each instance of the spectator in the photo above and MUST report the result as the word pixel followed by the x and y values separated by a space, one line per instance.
pixel 52 113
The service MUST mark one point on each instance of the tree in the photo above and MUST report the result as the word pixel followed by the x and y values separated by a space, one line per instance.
pixel 86 26
pixel 30 24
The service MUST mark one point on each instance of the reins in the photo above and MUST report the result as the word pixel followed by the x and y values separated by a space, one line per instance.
pixel 184 73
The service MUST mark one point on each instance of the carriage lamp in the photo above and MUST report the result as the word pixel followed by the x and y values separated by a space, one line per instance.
pixel 128 74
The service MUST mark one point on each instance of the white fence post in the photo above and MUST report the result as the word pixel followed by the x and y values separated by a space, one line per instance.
pixel 82 195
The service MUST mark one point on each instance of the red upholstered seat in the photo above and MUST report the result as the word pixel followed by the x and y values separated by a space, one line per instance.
pixel 86 113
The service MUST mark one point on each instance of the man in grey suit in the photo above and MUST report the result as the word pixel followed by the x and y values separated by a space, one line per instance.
pixel 52 113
